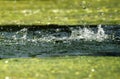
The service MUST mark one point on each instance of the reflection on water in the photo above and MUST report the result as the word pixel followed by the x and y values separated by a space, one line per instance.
pixel 60 41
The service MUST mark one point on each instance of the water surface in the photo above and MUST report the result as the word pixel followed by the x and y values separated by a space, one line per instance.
pixel 60 41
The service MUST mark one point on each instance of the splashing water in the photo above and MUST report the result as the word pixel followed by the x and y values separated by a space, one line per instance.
pixel 88 34
pixel 59 41
pixel 85 34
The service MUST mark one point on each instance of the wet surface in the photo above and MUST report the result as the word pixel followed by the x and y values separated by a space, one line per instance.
pixel 56 40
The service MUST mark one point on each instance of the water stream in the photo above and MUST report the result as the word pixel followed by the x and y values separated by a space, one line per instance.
pixel 60 41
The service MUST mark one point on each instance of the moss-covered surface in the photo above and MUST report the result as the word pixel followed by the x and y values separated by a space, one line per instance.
pixel 78 67
pixel 63 12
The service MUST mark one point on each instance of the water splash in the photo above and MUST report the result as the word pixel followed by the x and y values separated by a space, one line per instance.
pixel 88 34
pixel 100 36
pixel 59 41
pixel 82 34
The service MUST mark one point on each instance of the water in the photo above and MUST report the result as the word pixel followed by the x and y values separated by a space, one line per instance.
pixel 60 41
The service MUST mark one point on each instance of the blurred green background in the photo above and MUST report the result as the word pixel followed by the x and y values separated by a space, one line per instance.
pixel 63 12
